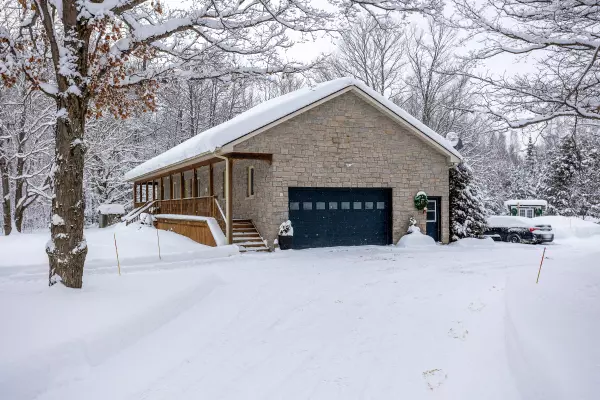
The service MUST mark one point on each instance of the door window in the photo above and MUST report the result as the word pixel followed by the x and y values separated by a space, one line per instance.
pixel 358 205
pixel 307 205
pixel 431 211
pixel 333 205
pixel 529 213
pixel 320 205
pixel 380 205
pixel 522 212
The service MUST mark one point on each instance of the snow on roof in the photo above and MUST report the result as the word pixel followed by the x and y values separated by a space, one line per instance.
pixel 533 202
pixel 266 113
pixel 106 209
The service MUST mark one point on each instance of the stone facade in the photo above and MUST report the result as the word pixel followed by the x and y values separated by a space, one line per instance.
pixel 344 142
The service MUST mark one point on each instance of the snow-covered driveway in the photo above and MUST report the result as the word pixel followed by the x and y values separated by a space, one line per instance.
pixel 344 323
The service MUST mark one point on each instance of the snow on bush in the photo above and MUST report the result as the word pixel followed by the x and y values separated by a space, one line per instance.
pixel 286 229
pixel 416 239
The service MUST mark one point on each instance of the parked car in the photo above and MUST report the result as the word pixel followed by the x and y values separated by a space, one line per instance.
pixel 518 230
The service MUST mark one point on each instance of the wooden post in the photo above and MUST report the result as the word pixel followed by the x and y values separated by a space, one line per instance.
pixel 147 199
pixel 195 184
pixel 229 199
pixel 210 180
pixel 540 270
pixel 171 188
pixel 134 194
pixel 162 189
pixel 117 251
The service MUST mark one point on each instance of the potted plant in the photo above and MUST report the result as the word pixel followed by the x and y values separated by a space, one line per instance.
pixel 286 236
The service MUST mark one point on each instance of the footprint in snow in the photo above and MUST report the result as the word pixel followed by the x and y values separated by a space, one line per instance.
pixel 434 378
pixel 458 331
pixel 477 305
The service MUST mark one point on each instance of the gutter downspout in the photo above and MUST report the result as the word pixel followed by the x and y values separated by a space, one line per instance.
pixel 228 198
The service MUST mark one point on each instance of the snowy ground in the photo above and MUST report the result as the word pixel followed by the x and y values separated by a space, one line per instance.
pixel 449 322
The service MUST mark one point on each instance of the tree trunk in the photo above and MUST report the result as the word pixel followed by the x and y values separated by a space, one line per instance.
pixel 4 180
pixel 67 249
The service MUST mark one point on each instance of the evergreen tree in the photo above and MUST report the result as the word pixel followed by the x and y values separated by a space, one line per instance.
pixel 467 210
pixel 561 186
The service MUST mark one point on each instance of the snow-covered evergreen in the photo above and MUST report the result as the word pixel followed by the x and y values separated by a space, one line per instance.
pixel 467 211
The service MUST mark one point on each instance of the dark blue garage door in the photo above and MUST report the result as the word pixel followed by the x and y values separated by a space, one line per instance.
pixel 324 217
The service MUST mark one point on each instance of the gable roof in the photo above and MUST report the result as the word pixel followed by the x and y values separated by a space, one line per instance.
pixel 270 112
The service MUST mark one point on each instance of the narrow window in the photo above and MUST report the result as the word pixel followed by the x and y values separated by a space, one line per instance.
pixel 380 205
pixel 250 188
pixel 333 205
pixel 345 205
pixel 358 205
pixel 320 205
pixel 307 205
pixel 368 205
pixel 294 206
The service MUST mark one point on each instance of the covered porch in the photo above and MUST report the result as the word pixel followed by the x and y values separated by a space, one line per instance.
pixel 190 191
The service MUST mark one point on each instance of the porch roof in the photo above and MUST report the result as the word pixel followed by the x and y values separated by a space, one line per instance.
pixel 268 113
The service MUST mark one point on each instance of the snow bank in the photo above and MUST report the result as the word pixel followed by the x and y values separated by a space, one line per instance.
pixel 265 113
pixel 552 329
pixel 474 242
pixel 415 239
pixel 569 227
pixel 137 244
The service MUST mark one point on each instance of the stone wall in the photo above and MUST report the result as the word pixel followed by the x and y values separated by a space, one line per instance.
pixel 344 142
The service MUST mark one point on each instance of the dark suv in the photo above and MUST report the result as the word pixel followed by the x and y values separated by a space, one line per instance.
pixel 518 230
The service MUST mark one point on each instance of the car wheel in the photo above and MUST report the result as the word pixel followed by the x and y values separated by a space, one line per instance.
pixel 514 238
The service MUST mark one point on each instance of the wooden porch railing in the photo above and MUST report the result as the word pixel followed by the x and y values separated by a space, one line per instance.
pixel 201 206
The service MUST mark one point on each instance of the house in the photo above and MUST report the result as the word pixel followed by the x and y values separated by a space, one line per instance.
pixel 526 208
pixel 339 160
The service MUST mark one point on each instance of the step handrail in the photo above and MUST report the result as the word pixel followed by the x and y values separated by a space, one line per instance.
pixel 132 218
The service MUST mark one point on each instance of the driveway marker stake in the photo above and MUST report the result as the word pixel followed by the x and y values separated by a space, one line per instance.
pixel 540 270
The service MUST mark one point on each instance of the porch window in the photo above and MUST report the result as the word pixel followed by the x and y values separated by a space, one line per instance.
pixel 176 186
pixel 188 181
pixel 250 183
pixel 522 212
pixel 167 188
pixel 143 194
pixel 158 189
pixel 202 177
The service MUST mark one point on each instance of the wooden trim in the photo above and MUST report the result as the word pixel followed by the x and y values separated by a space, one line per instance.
pixel 251 156
pixel 198 231
pixel 195 183
pixel 161 191
pixel 211 181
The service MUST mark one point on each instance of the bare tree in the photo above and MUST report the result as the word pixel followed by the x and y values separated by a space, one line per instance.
pixel 371 50
pixel 561 35
pixel 437 94
pixel 26 123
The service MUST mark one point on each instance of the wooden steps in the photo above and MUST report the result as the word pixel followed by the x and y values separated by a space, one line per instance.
pixel 246 236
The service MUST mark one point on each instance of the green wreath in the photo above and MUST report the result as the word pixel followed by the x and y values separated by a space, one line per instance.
pixel 421 201
pixel 514 211
pixel 538 212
